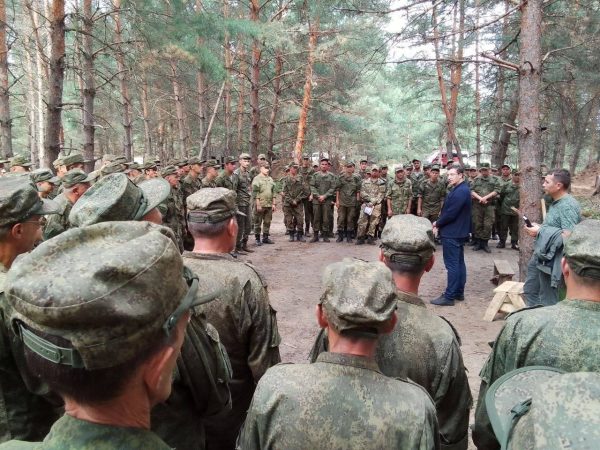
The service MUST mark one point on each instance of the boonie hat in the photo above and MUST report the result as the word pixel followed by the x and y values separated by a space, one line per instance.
pixel 75 176
pixel 212 205
pixel 408 239
pixel 40 175
pixel 19 200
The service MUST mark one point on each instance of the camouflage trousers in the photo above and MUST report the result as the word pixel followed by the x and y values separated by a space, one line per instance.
pixel 432 216
pixel 308 213
pixel 346 218
pixel 262 219
pixel 483 220
pixel 293 217
pixel 509 223
pixel 244 225
pixel 322 216
pixel 367 225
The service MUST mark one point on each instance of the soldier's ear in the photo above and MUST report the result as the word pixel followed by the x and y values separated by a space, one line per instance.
pixel 321 318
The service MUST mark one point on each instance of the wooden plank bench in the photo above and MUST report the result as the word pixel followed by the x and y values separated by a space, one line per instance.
pixel 508 298
pixel 502 272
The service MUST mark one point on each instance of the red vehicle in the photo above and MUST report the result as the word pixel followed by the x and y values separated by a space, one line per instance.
pixel 434 157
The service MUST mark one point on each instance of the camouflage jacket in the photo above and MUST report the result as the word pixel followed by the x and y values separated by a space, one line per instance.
pixel 373 191
pixel 509 197
pixel 416 178
pixel 426 349
pixel 190 186
pixel 226 181
pixel 247 325
pixel 263 189
pixel 564 336
pixel 563 213
pixel 348 188
pixel 58 223
pixel 340 401
pixel 173 212
pixel 244 187
pixel 399 195
pixel 432 195
pixel 323 184
pixel 306 173
pixel 24 413
pixel 206 183
pixel 485 185
pixel 69 433
pixel 293 190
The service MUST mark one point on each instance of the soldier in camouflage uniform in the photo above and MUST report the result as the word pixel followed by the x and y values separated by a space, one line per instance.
pixel 416 176
pixel 342 400
pixel 255 170
pixel 363 173
pixel 243 200
pixel 75 183
pixel 564 336
pixel 228 179
pixel 24 413
pixel 242 314
pixel 192 182
pixel 483 191
pixel 503 179
pixel 172 210
pixel 383 174
pixel 373 193
pixel 432 193
pixel 347 197
pixel 399 195
pixel 212 172
pixel 19 164
pixel 306 172
pixel 151 170
pixel 322 188
pixel 108 339
pixel 542 406
pixel 263 193
pixel 294 193
pixel 134 173
pixel 509 220
pixel 45 181
pixel 422 347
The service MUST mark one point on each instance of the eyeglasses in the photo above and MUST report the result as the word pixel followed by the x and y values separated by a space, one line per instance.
pixel 40 222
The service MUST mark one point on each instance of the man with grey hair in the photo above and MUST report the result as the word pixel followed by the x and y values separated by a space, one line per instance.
pixel 343 400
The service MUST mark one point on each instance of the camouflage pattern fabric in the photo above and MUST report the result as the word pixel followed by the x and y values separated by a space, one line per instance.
pixel 294 193
pixel 499 200
pixel 373 192
pixel 300 407
pixel 348 188
pixel 247 325
pixel 173 213
pixel 509 198
pixel 509 224
pixel 564 336
pixel 59 222
pixel 432 195
pixel 306 173
pixel 69 433
pixel 346 217
pixel 425 349
pixel 564 213
pixel 484 215
pixel 263 190
pixel 243 199
pixel 208 183
pixel 323 185
pixel 190 185
pixel 19 200
pixel 24 413
pixel 226 181
pixel 400 194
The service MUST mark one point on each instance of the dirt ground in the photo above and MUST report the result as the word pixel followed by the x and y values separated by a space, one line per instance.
pixel 293 272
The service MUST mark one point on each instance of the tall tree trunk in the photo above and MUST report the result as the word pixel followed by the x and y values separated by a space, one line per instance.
pixel 584 118
pixel 124 83
pixel 529 133
pixel 146 116
pixel 502 140
pixel 89 88
pixel 179 111
pixel 276 94
pixel 52 142
pixel 202 88
pixel 255 82
pixel 560 143
pixel 227 91
pixel 312 45
pixel 241 98
pixel 5 119
pixel 31 105
pixel 477 88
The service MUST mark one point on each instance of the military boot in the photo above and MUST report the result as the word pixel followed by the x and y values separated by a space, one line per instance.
pixel 325 236
pixel 484 246
pixel 245 246
pixel 340 237
pixel 360 240
pixel 292 235
pixel 307 232
pixel 514 246
pixel 315 237
pixel 300 237
pixel 258 243
pixel 370 240
pixel 477 244
pixel 501 245
pixel 349 237
pixel 266 239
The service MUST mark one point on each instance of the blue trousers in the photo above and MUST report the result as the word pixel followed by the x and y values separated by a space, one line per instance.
pixel 454 260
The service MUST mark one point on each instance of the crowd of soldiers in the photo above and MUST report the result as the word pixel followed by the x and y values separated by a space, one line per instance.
pixel 134 325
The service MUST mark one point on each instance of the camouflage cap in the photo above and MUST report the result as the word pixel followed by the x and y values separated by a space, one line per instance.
pixel 264 164
pixel 399 167
pixel 113 167
pixel 169 170
pixel 116 198
pixel 306 156
pixel 516 172
pixel 383 166
pixel 19 200
pixel 97 288
pixel 408 239
pixel 19 160
pixel 363 159
pixel 415 160
pixel 435 167
pixel 244 156
pixel 181 162
pixel 374 167
pixel 262 156
pixel 212 205
pixel 58 162
pixel 505 397
pixel 582 249
pixel 195 160
pixel 324 158
pixel 212 163
pixel 75 176
pixel 229 159
pixel 563 412
pixel 148 165
pixel 73 158
pixel 132 166
pixel 350 164
pixel 484 165
pixel 109 157
pixel 40 175
pixel 358 295
pixel 504 165
pixel 119 160
pixel 408 166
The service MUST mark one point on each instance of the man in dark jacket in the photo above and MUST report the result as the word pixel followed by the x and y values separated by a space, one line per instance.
pixel 453 227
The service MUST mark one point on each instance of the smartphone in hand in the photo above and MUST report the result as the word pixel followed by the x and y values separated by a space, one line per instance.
pixel 527 222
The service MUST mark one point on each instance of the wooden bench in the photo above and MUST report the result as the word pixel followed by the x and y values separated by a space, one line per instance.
pixel 502 272
pixel 507 299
